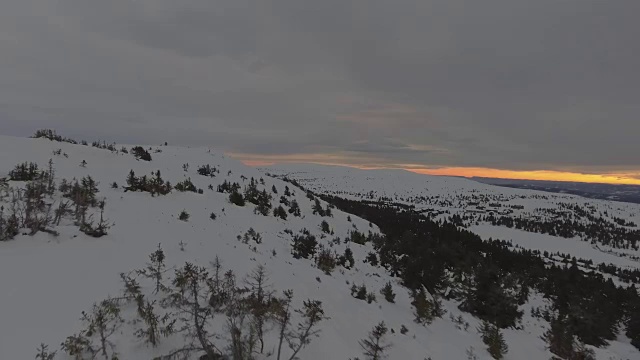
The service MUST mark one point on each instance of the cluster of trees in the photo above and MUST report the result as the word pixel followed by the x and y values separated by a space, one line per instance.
pixel 35 207
pixel 317 209
pixel 188 304
pixel 27 171
pixel 103 145
pixel 83 195
pixel 187 185
pixel 491 279
pixel 227 187
pixel 361 293
pixel 294 207
pixel 140 153
pixel 208 170
pixel 261 199
pixel 594 229
pixel 304 245
pixel 51 135
pixel 153 184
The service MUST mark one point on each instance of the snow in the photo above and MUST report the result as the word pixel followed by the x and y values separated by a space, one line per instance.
pixel 47 281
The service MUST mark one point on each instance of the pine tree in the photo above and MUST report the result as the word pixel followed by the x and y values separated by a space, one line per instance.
pixel 559 337
pixel 280 212
pixel 326 261
pixel 423 307
pixel 294 209
pixel 317 208
pixel 87 226
pixel 156 326
pixel 184 215
pixel 132 181
pixel 493 338
pixel 311 314
pixel 44 354
pixel 263 203
pixel 102 322
pixel 79 346
pixel 304 245
pixel 236 198
pixel 51 185
pixel 259 300
pixel 633 320
pixel 374 346
pixel 387 292
pixel 155 269
pixel 324 226
pixel 190 295
pixel 347 260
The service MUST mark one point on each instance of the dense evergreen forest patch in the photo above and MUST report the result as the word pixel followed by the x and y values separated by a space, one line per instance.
pixel 491 279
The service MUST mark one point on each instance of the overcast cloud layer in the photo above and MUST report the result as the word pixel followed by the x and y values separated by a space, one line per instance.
pixel 516 84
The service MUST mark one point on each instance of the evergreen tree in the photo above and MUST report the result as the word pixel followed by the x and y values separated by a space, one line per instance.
pixel 236 198
pixel 374 346
pixel 140 153
pixel 493 338
pixel 294 209
pixel 559 337
pixel 102 322
pixel 633 322
pixel 280 212
pixel 184 215
pixel 304 245
pixel 155 325
pixel 387 292
pixel 44 354
pixel 317 208
pixel 155 269
pixel 311 314
pixel 259 301
pixel 189 296
pixel 347 259
pixel 326 261
pixel 263 203
pixel 324 226
pixel 423 307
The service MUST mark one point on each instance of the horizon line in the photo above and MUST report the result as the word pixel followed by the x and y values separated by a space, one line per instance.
pixel 482 172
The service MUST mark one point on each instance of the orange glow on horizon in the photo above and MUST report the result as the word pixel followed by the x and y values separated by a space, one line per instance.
pixel 620 178
pixel 549 175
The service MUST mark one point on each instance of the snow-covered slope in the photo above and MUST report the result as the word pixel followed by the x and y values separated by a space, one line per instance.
pixel 46 281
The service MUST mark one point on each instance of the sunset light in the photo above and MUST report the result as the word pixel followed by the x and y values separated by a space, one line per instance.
pixel 621 178
pixel 629 179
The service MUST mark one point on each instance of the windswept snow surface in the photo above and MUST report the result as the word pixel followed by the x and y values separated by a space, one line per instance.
pixel 47 281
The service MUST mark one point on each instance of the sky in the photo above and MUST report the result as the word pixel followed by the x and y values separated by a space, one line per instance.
pixel 511 88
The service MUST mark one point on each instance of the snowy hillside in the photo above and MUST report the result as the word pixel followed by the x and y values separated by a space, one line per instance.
pixel 48 280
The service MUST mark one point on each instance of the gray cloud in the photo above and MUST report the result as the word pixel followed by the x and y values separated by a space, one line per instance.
pixel 515 84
